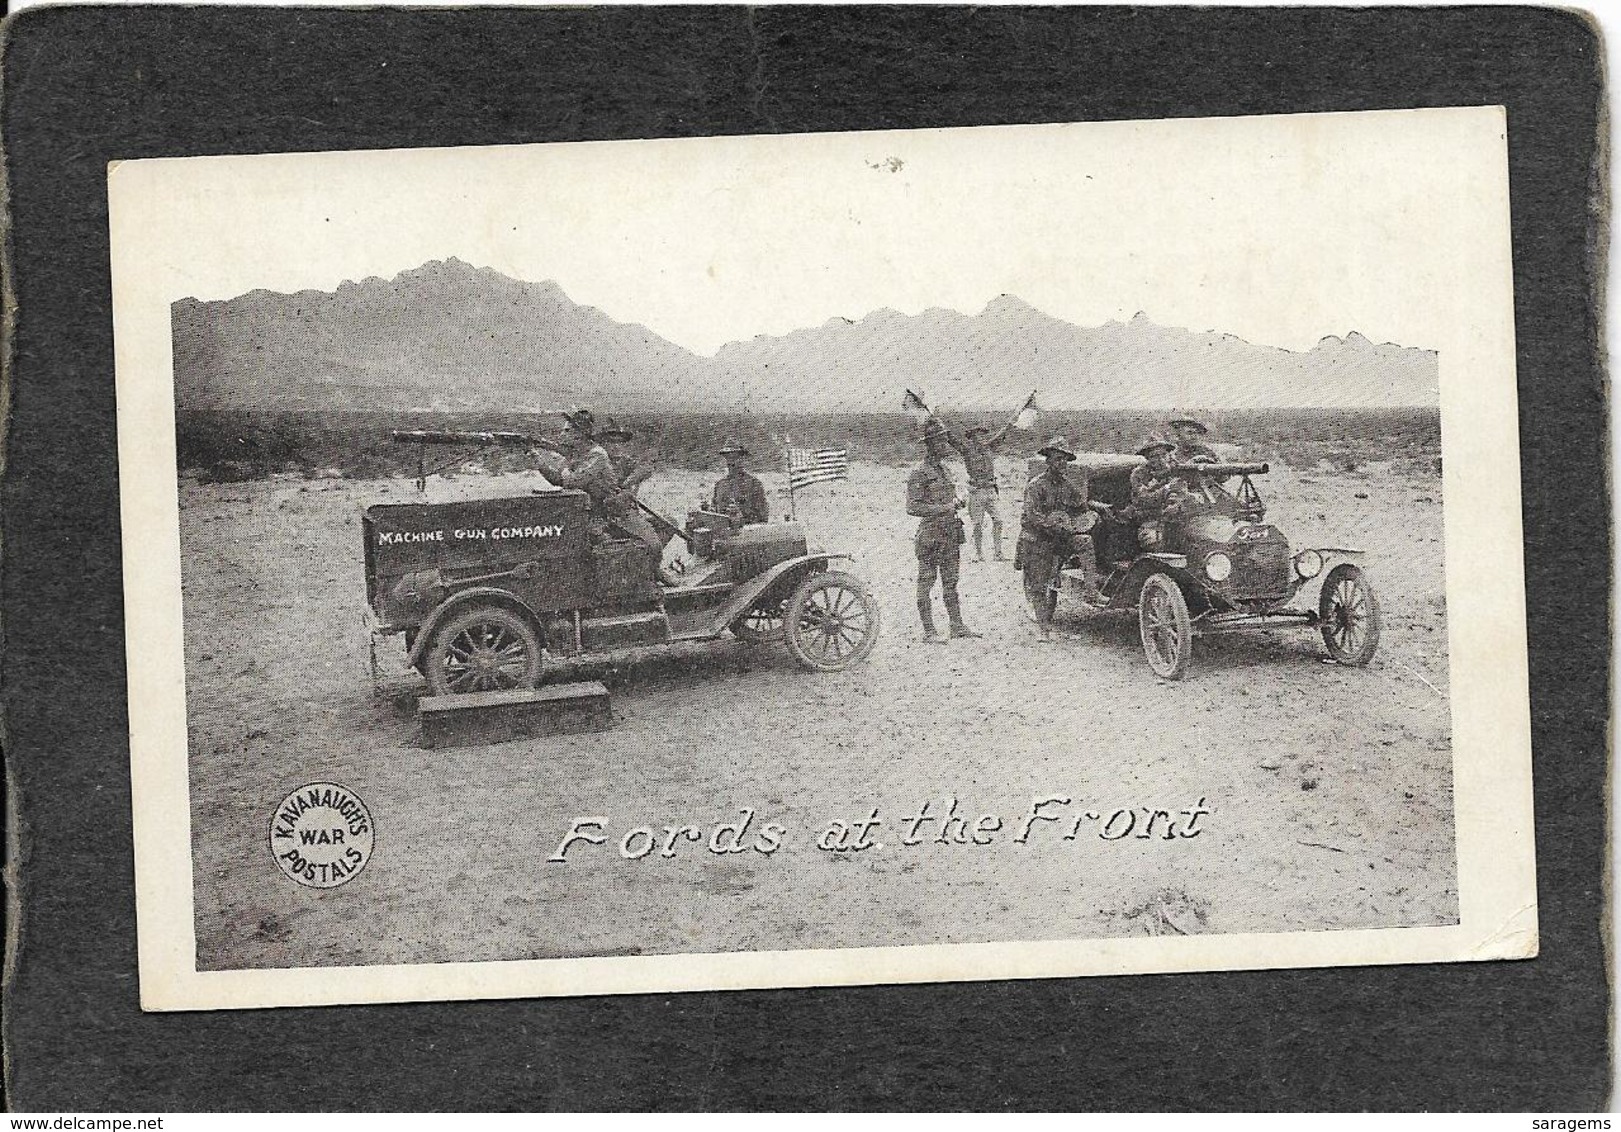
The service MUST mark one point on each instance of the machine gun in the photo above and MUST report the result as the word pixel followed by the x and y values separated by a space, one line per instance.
pixel 1222 471
pixel 1250 504
pixel 473 439
pixel 426 436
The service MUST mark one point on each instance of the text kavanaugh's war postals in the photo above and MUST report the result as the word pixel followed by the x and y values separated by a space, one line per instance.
pixel 1006 552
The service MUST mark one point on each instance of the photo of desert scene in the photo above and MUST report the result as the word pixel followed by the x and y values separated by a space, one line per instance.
pixel 938 788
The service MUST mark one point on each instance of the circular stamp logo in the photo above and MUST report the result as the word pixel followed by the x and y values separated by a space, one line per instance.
pixel 321 835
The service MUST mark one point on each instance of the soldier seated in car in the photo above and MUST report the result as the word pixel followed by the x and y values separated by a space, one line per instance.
pixel 584 464
pixel 738 494
pixel 1191 449
pixel 1053 531
pixel 1158 491
pixel 632 472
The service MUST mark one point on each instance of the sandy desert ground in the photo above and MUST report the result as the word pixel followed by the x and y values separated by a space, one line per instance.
pixel 1328 789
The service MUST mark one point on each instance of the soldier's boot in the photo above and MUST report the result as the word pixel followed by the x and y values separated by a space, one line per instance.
pixel 979 543
pixel 959 630
pixel 996 538
pixel 1087 559
pixel 925 613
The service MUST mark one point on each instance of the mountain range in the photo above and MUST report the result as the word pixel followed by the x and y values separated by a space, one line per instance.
pixel 453 337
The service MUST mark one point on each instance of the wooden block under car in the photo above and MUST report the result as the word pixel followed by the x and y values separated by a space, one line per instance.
pixel 480 718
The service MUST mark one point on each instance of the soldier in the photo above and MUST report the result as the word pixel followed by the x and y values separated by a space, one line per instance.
pixel 1053 531
pixel 978 445
pixel 1156 490
pixel 737 493
pixel 632 472
pixel 1191 449
pixel 584 464
pixel 931 496
pixel 1190 445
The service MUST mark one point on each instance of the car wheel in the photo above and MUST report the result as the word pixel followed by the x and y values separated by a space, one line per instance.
pixel 1167 630
pixel 1348 616
pixel 487 648
pixel 830 622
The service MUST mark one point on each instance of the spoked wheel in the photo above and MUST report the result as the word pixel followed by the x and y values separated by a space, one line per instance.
pixel 760 625
pixel 831 622
pixel 1167 630
pixel 483 649
pixel 1348 615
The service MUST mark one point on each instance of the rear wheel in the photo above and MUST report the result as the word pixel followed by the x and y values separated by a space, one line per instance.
pixel 830 622
pixel 486 648
pixel 1167 630
pixel 1348 616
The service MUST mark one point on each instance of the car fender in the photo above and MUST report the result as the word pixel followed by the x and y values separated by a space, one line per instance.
pixel 1176 565
pixel 748 593
pixel 473 594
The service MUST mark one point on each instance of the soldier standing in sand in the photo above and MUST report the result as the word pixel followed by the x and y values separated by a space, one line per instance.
pixel 977 445
pixel 931 497
pixel 1053 531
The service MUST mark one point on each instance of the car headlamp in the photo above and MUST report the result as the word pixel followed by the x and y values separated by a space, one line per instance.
pixel 1217 566
pixel 1308 564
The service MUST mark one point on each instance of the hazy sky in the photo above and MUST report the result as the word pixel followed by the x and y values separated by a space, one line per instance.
pixel 1281 230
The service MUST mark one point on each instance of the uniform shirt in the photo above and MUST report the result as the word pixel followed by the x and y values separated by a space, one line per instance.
pixel 1048 499
pixel 1151 490
pixel 979 457
pixel 590 471
pixel 632 473
pixel 931 496
pixel 747 492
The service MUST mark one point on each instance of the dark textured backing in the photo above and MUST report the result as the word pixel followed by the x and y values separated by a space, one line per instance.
pixel 84 86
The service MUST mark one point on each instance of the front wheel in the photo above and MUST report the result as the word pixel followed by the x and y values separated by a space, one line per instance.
pixel 483 649
pixel 1348 616
pixel 830 622
pixel 1167 630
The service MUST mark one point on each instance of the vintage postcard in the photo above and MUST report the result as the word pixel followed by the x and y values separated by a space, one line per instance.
pixel 666 565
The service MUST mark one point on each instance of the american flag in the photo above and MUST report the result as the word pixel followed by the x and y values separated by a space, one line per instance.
pixel 816 465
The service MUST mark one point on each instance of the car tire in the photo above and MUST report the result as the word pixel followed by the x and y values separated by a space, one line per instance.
pixel 830 622
pixel 1165 627
pixel 485 648
pixel 1348 616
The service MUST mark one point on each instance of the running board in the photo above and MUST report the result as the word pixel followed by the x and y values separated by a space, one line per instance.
pixel 1213 623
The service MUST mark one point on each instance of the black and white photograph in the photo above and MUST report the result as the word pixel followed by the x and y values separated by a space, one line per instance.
pixel 820 559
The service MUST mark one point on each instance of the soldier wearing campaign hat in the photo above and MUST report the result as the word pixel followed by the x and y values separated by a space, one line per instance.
pixel 1190 445
pixel 1155 488
pixel 1053 531
pixel 932 498
pixel 584 464
pixel 738 493
pixel 632 472
pixel 978 444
